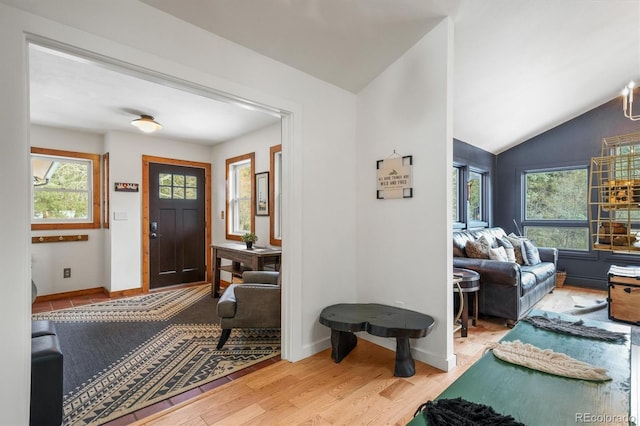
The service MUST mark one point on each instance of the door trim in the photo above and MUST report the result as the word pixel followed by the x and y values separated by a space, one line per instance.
pixel 146 159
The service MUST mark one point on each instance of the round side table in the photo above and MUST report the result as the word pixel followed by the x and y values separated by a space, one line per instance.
pixel 469 283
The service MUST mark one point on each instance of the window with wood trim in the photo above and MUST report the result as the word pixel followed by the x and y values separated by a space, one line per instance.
pixel 275 220
pixel 240 196
pixel 66 189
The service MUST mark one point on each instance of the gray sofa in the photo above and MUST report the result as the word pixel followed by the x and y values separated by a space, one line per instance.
pixel 507 289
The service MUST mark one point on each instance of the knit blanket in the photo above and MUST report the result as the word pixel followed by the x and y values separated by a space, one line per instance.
pixel 458 411
pixel 547 361
pixel 577 328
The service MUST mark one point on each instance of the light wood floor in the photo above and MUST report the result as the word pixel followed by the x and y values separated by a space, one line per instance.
pixel 359 390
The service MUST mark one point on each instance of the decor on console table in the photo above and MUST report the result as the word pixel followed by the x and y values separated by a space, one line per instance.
pixel 249 238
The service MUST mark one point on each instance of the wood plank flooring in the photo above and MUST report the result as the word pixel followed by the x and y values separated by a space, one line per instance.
pixel 359 390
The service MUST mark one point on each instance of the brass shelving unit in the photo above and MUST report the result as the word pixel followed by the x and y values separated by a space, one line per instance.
pixel 614 194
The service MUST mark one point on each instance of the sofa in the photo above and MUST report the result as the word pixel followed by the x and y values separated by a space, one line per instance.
pixel 46 375
pixel 509 288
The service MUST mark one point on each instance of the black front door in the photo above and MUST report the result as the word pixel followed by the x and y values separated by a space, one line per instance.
pixel 176 224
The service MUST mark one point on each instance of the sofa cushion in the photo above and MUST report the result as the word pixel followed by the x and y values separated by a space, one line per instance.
pixel 498 253
pixel 541 271
pixel 528 281
pixel 530 253
pixel 476 250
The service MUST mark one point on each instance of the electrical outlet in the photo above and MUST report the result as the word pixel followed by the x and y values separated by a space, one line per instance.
pixel 66 273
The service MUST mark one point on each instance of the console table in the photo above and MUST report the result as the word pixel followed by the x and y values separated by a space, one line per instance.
pixel 242 259
pixel 536 398
pixel 380 320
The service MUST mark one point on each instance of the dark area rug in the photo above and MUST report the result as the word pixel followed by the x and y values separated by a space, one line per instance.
pixel 126 354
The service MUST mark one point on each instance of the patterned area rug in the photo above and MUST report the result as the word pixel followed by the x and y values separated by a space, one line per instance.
pixel 158 306
pixel 179 355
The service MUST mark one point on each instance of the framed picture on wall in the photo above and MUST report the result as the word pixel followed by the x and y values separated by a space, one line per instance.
pixel 262 194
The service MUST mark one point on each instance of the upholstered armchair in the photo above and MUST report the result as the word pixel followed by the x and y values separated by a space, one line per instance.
pixel 253 304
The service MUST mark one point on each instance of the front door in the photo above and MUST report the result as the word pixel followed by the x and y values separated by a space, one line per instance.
pixel 176 225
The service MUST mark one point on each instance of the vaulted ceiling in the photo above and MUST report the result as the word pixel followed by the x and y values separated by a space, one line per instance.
pixel 521 66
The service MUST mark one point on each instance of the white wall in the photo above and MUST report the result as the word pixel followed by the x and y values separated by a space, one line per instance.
pixel 402 256
pixel 319 267
pixel 328 172
pixel 15 224
pixel 86 258
pixel 125 165
pixel 259 142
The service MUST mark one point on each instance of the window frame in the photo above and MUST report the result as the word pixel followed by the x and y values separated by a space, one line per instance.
pixel 275 195
pixel 94 191
pixel 484 198
pixel 230 213
pixel 556 223
pixel 459 209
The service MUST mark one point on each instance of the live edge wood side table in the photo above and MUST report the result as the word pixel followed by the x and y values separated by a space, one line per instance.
pixel 379 320
pixel 242 259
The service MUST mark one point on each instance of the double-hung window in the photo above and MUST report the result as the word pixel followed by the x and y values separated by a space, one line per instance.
pixel 66 189
pixel 240 196
pixel 555 208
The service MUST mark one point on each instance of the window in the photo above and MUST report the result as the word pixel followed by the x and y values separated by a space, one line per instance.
pixel 240 196
pixel 178 186
pixel 469 201
pixel 555 208
pixel 275 235
pixel 66 189
pixel 456 208
pixel 476 194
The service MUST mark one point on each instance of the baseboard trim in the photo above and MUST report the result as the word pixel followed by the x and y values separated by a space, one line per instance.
pixel 69 294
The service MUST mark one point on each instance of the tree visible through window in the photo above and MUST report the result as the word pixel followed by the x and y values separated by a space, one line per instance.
pixel 555 206
pixel 65 189
pixel 239 195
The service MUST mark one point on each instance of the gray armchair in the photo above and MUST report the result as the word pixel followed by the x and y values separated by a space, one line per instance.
pixel 253 304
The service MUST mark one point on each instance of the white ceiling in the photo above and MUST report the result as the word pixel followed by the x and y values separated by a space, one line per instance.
pixel 71 92
pixel 521 66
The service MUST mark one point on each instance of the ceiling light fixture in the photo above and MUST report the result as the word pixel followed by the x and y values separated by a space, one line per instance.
pixel 147 124
pixel 627 105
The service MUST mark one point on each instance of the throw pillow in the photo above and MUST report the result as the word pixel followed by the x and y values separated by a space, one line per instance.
pixel 508 248
pixel 498 253
pixel 517 247
pixel 476 250
pixel 530 253
pixel 488 241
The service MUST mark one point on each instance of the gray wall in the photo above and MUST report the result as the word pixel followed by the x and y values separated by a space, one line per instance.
pixel 571 143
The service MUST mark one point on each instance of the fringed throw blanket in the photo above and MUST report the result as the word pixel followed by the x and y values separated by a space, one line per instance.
pixel 547 361
pixel 457 411
pixel 576 328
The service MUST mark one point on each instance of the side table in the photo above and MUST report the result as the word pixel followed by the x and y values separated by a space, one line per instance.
pixel 469 283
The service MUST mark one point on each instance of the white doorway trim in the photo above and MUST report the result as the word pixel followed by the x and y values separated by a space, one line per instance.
pixel 290 114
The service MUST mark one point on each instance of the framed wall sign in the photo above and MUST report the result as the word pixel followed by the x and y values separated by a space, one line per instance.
pixel 126 187
pixel 394 177
pixel 262 194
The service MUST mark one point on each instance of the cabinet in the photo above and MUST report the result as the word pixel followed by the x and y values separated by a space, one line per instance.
pixel 624 294
pixel 614 194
